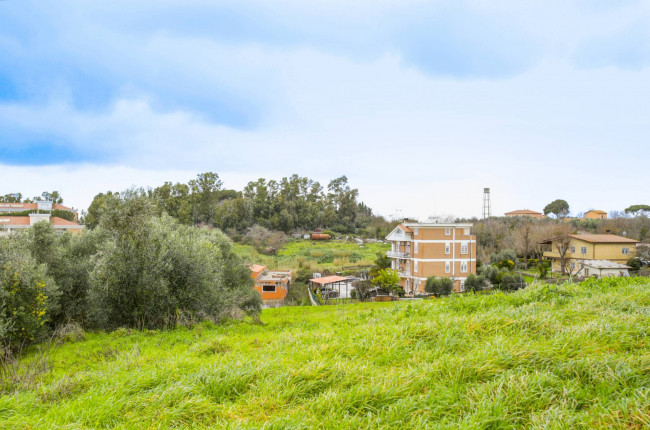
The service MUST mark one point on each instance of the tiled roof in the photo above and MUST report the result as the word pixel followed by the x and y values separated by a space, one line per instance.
pixel 405 228
pixel 55 220
pixel 61 207
pixel 602 238
pixel 13 220
pixel 596 212
pixel 523 212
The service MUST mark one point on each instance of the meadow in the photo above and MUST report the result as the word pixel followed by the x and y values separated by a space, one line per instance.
pixel 332 255
pixel 568 356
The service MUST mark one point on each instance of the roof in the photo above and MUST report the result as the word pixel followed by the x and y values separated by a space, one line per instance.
pixel 329 279
pixel 405 228
pixel 13 220
pixel 61 207
pixel 524 212
pixel 604 264
pixel 274 275
pixel 602 238
pixel 596 211
pixel 55 220
pixel 257 268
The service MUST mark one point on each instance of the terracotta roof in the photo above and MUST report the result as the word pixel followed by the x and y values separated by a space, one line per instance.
pixel 405 228
pixel 329 279
pixel 596 211
pixel 13 220
pixel 524 212
pixel 55 220
pixel 21 206
pixel 61 207
pixel 602 238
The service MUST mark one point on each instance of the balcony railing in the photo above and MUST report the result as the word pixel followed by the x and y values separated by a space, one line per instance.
pixel 397 254
pixel 403 274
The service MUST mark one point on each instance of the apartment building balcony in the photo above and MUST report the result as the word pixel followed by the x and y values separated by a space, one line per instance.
pixel 403 274
pixel 397 254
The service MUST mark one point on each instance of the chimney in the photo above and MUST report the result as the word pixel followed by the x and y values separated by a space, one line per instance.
pixel 406 220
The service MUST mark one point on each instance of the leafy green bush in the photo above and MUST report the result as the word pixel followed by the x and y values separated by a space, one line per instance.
pixel 475 283
pixel 25 293
pixel 439 286
pixel 634 263
pixel 153 272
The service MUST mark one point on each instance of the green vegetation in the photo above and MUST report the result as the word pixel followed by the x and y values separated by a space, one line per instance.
pixel 291 204
pixel 139 268
pixel 572 356
pixel 331 255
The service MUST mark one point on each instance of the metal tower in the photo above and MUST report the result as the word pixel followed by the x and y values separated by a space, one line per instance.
pixel 486 203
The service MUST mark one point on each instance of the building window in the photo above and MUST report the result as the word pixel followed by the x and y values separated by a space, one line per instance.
pixel 626 251
pixel 463 248
pixel 415 248
pixel 583 250
pixel 447 267
pixel 415 266
pixel 573 265
pixel 467 232
pixel 463 267
pixel 447 248
pixel 415 231
pixel 447 231
pixel 268 288
pixel 573 250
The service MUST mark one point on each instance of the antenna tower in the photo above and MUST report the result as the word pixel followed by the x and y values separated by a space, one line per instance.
pixel 486 203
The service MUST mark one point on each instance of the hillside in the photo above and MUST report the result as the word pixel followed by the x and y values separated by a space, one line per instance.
pixel 554 357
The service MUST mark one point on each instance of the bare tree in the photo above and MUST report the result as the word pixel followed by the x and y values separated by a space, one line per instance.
pixel 562 243
pixel 524 239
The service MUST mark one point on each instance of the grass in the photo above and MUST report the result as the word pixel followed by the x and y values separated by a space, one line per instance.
pixel 318 255
pixel 557 357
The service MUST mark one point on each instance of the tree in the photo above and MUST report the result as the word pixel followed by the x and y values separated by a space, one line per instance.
pixel 638 210
pixel 11 198
pixel 562 243
pixel 439 286
pixel 525 239
pixel 382 261
pixel 475 283
pixel 559 208
pixel 387 279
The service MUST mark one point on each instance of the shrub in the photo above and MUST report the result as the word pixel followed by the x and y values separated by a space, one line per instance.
pixel 297 294
pixel 25 296
pixel 634 263
pixel 438 286
pixel 512 282
pixel 475 283
pixel 152 271
pixel 507 264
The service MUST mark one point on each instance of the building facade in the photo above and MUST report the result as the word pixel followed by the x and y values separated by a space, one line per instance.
pixel 273 285
pixel 10 224
pixel 594 214
pixel 525 212
pixel 420 250
pixel 587 246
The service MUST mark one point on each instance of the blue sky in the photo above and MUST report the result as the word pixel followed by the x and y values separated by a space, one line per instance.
pixel 407 98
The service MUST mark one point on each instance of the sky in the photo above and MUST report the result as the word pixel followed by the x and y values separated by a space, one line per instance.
pixel 421 104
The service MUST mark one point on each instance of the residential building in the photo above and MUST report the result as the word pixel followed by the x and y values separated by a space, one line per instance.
pixel 526 212
pixel 40 207
pixel 16 223
pixel 594 214
pixel 420 250
pixel 273 285
pixel 587 246
pixel 600 268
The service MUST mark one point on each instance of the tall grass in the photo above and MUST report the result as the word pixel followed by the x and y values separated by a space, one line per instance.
pixel 571 356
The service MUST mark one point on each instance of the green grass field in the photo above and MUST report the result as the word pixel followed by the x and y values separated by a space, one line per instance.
pixel 573 356
pixel 318 255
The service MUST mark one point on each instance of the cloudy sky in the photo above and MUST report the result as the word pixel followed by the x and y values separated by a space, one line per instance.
pixel 420 103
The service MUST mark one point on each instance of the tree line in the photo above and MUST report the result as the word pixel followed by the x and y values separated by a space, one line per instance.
pixel 290 204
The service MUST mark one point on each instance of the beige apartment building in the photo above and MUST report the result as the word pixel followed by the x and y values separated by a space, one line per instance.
pixel 420 250
pixel 587 246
